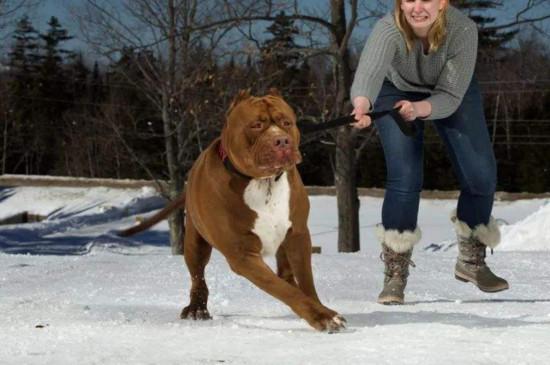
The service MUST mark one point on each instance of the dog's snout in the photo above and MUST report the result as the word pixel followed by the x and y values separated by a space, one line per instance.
pixel 282 142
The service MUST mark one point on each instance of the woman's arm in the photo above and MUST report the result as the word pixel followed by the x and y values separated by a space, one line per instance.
pixel 361 106
pixel 375 61
pixel 423 109
pixel 373 66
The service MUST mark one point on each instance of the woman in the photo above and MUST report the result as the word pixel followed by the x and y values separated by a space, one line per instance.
pixel 421 58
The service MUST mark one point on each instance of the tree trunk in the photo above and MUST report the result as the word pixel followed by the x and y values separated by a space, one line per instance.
pixel 5 146
pixel 175 184
pixel 344 173
pixel 176 220
pixel 346 192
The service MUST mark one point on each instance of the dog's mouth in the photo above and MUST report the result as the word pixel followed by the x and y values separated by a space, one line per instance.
pixel 273 153
pixel 278 160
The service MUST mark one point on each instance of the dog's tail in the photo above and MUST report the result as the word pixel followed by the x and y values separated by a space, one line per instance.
pixel 151 221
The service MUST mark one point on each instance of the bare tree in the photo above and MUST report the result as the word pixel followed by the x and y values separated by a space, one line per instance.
pixel 530 12
pixel 170 32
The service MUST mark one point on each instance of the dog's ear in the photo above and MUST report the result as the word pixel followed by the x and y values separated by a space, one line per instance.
pixel 274 92
pixel 242 95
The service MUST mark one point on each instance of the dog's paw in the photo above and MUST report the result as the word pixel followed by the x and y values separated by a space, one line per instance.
pixel 196 313
pixel 329 323
pixel 335 324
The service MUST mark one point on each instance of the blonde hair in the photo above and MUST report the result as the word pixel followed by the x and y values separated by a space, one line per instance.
pixel 436 34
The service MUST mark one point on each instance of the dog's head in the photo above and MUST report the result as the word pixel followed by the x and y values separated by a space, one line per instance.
pixel 260 135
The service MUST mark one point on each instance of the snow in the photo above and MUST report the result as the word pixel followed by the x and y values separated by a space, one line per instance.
pixel 71 291
pixel 530 234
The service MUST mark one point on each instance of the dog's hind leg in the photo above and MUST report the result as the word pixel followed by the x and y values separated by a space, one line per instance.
pixel 197 254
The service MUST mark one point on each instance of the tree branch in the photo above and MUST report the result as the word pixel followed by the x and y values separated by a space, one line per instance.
pixel 518 22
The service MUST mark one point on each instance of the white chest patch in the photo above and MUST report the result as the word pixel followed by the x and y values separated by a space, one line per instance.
pixel 270 199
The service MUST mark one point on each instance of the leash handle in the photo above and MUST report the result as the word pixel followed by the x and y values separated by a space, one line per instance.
pixel 407 128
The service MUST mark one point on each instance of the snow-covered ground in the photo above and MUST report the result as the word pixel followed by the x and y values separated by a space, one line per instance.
pixel 71 291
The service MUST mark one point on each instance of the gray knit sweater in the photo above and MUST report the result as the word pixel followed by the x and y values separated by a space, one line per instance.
pixel 444 74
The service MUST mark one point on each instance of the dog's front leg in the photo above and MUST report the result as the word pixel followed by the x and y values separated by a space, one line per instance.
pixel 298 250
pixel 252 266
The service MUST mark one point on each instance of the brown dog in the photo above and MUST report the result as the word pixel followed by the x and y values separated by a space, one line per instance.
pixel 245 197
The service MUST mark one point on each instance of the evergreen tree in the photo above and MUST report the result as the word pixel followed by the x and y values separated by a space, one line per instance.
pixel 489 39
pixel 23 66
pixel 279 59
pixel 23 55
pixel 97 92
pixel 77 77
pixel 22 63
pixel 53 38
pixel 136 118
pixel 52 78
pixel 53 93
pixel 277 48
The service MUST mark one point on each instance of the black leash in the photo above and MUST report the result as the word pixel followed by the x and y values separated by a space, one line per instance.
pixel 408 128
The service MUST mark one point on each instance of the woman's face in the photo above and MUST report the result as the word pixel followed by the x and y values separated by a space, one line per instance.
pixel 421 14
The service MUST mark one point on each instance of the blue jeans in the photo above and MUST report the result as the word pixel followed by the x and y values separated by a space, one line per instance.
pixel 467 141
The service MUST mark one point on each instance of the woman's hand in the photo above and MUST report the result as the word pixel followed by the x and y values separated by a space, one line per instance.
pixel 361 108
pixel 411 111
pixel 407 110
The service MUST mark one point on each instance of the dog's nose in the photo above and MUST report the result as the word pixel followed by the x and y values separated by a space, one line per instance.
pixel 282 142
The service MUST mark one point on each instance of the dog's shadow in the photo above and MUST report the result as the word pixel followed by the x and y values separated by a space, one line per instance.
pixel 289 323
pixel 356 321
pixel 466 320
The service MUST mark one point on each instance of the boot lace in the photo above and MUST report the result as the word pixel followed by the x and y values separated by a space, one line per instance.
pixel 397 263
pixel 475 253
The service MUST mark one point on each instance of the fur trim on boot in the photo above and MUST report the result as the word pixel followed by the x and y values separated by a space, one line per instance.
pixel 400 242
pixel 488 234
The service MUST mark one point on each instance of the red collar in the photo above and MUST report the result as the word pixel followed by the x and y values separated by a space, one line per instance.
pixel 221 151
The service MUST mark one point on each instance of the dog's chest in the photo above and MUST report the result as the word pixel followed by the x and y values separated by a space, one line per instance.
pixel 270 199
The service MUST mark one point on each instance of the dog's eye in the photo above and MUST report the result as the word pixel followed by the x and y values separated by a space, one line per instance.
pixel 257 125
pixel 287 123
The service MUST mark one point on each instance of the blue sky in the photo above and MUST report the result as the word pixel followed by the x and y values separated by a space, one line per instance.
pixel 60 9
pixel 47 8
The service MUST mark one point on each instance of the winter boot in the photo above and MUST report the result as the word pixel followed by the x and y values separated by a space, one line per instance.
pixel 470 264
pixel 396 254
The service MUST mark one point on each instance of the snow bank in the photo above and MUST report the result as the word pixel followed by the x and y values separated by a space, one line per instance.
pixel 530 234
pixel 80 220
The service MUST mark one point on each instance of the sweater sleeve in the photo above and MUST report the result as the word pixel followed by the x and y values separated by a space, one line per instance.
pixel 375 60
pixel 456 74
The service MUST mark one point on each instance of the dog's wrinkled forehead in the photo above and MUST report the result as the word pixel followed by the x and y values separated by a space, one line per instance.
pixel 270 106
